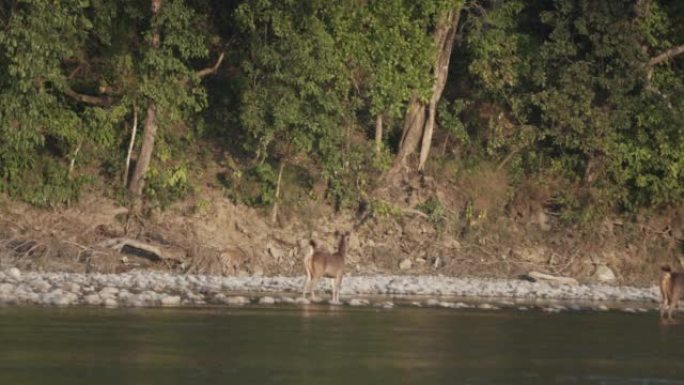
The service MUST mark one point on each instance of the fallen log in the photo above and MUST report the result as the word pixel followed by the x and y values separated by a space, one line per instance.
pixel 142 249
pixel 552 278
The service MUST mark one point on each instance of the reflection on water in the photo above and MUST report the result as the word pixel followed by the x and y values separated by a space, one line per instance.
pixel 307 345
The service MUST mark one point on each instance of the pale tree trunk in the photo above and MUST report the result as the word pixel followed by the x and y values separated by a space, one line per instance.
pixel 411 132
pixel 420 118
pixel 143 163
pixel 378 133
pixel 150 127
pixel 444 41
pixel 134 131
pixel 274 212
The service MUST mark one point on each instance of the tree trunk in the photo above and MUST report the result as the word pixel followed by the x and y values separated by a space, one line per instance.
pixel 150 128
pixel 378 133
pixel 130 146
pixel 416 123
pixel 143 163
pixel 444 41
pixel 274 212
pixel 413 128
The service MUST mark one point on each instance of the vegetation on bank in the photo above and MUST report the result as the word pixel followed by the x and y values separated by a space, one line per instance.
pixel 582 99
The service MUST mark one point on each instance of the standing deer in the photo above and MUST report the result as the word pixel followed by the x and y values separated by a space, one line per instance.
pixel 671 290
pixel 319 263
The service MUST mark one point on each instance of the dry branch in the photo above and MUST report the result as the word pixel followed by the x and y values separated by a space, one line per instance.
pixel 210 70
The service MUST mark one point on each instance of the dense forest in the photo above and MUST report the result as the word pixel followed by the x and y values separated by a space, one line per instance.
pixel 343 98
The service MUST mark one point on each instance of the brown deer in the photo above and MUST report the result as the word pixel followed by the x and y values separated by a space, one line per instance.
pixel 671 289
pixel 320 263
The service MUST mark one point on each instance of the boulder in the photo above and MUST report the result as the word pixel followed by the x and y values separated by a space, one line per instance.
pixel 603 273
pixel 405 264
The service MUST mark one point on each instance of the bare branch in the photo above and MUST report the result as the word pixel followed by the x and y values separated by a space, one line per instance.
pixel 88 99
pixel 211 70
pixel 667 55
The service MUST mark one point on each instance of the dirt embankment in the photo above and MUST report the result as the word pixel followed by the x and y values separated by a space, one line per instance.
pixel 424 229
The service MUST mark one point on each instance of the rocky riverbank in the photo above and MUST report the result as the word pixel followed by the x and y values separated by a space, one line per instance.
pixel 145 288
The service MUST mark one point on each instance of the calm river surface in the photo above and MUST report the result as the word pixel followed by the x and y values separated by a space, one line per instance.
pixel 322 345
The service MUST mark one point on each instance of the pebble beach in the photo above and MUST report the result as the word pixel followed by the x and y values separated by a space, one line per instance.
pixel 151 289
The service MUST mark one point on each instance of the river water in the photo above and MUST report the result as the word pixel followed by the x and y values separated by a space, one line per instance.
pixel 335 345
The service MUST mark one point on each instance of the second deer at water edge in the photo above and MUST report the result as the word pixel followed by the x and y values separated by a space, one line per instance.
pixel 320 263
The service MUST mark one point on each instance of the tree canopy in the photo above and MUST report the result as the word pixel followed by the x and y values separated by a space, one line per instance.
pixel 588 91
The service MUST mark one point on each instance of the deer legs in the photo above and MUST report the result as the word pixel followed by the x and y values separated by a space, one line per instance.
pixel 310 286
pixel 312 281
pixel 337 281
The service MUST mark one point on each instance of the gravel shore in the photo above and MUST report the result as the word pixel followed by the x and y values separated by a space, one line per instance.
pixel 146 288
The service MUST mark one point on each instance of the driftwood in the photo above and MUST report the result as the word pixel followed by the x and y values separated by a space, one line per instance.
pixel 156 253
pixel 552 278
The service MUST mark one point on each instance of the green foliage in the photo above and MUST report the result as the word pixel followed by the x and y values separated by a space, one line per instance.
pixel 568 81
pixel 48 186
pixel 164 186
pixel 383 209
pixel 312 68
pixel 435 211
pixel 56 57
pixel 555 87
pixel 450 121
pixel 255 187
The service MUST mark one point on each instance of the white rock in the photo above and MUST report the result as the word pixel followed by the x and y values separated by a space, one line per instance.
pixel 64 299
pixel 358 302
pixel 110 302
pixel 266 300
pixel 109 292
pixel 40 286
pixel 71 287
pixel 405 264
pixel 170 300
pixel 6 288
pixel 14 273
pixel 237 300
pixel 92 299
pixel 302 301
pixel 603 273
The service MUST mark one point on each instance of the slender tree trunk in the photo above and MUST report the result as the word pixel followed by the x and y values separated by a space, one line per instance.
pixel 146 149
pixel 444 41
pixel 274 212
pixel 150 127
pixel 72 163
pixel 130 145
pixel 378 133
